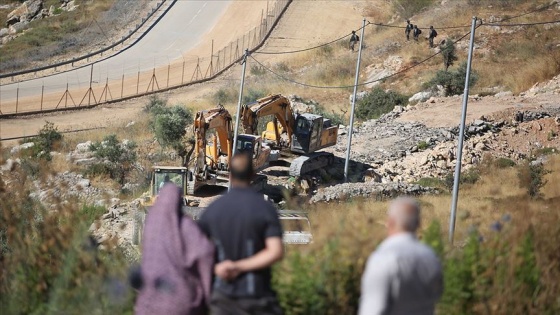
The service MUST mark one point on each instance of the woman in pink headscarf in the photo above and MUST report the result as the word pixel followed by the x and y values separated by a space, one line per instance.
pixel 177 261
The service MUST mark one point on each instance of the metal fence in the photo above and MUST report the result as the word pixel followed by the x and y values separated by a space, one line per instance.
pixel 106 86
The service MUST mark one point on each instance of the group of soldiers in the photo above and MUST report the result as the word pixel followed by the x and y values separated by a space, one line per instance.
pixel 410 28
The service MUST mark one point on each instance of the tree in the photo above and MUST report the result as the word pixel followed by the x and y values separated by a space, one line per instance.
pixel 169 126
pixel 448 54
pixel 453 82
pixel 378 102
pixel 117 158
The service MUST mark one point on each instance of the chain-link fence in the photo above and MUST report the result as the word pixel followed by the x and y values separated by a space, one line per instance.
pixel 108 84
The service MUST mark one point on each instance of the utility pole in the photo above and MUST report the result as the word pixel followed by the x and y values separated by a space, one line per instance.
pixel 349 145
pixel 236 130
pixel 461 137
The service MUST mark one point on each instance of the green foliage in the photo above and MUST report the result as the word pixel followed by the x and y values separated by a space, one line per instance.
pixel 531 176
pixel 448 53
pixel 431 182
pixel 155 105
pixel 408 8
pixel 257 70
pixel 252 95
pixel 378 102
pixel 50 265
pixel 225 96
pixel 433 238
pixel 169 126
pixel 336 118
pixel 469 177
pixel 551 135
pixel 544 151
pixel 321 282
pixel 504 163
pixel 90 213
pixel 118 158
pixel 453 82
pixel 422 145
pixel 46 141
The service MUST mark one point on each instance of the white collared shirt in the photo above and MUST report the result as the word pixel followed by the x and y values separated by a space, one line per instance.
pixel 403 276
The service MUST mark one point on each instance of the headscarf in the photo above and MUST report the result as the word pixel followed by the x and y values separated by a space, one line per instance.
pixel 177 260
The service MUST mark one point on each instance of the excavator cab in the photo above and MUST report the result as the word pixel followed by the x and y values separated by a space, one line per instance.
pixel 313 132
pixel 162 175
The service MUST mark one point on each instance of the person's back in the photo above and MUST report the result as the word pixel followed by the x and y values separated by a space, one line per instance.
pixel 402 276
pixel 415 275
pixel 239 223
pixel 248 237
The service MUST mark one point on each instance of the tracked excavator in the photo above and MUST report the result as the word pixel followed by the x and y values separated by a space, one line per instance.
pixel 297 136
pixel 211 157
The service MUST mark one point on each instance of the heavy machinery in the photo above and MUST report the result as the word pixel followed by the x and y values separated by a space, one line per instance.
pixel 211 157
pixel 296 134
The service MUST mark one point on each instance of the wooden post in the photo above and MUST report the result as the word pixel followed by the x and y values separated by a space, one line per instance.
pixel 138 82
pixel 122 85
pixel 42 93
pixel 168 69
pixel 183 74
pixel 17 98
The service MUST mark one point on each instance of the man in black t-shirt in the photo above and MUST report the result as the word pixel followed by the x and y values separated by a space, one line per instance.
pixel 246 231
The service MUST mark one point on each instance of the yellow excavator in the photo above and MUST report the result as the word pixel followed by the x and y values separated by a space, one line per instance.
pixel 211 156
pixel 297 136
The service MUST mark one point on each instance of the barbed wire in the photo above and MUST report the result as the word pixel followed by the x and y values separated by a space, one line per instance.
pixel 521 24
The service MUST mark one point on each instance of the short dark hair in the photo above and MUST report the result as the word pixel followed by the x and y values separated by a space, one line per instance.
pixel 241 167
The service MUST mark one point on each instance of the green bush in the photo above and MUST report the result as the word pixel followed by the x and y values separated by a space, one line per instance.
pixel 50 264
pixel 531 177
pixel 544 151
pixel 453 82
pixel 504 163
pixel 118 158
pixel 257 70
pixel 252 95
pixel 90 213
pixel 225 96
pixel 336 118
pixel 378 102
pixel 431 182
pixel 422 145
pixel 155 105
pixel 46 141
pixel 448 53
pixel 169 128
pixel 469 177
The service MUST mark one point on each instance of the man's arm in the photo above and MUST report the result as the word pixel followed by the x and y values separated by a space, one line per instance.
pixel 273 252
pixel 376 287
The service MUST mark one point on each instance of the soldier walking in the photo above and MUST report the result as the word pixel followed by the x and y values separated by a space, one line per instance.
pixel 416 32
pixel 431 36
pixel 354 38
pixel 408 29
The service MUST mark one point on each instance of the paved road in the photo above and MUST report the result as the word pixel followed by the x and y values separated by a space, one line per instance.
pixel 180 30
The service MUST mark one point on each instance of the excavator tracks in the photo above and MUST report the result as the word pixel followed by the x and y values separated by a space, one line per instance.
pixel 314 161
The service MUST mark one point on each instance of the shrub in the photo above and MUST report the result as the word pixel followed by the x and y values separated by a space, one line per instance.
pixel 118 158
pixel 551 135
pixel 46 141
pixel 545 151
pixel 448 53
pixel 378 102
pixel 422 145
pixel 408 8
pixel 225 96
pixel 169 128
pixel 257 70
pixel 469 177
pixel 50 265
pixel 453 82
pixel 504 163
pixel 155 105
pixel 431 182
pixel 253 95
pixel 531 176
pixel 336 118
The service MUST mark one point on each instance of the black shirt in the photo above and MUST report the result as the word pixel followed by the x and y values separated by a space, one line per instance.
pixel 238 223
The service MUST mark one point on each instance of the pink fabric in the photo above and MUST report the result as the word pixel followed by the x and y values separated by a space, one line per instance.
pixel 177 261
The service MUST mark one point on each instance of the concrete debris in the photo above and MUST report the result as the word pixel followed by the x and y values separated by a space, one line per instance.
pixel 377 191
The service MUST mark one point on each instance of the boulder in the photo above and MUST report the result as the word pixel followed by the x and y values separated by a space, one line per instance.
pixel 26 12
pixel 4 32
pixel 503 94
pixel 83 147
pixel 71 6
pixel 20 147
pixel 359 96
pixel 420 97
pixel 18 27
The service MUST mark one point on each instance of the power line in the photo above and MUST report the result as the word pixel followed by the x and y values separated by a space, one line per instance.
pixel 553 3
pixel 404 27
pixel 521 24
pixel 306 49
pixel 361 84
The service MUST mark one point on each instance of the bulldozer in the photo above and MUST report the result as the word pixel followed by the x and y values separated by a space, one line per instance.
pixel 297 136
pixel 211 157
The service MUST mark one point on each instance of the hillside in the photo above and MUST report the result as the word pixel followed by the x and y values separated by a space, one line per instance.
pixel 88 186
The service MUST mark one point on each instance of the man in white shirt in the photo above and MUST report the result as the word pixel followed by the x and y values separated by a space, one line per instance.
pixel 403 276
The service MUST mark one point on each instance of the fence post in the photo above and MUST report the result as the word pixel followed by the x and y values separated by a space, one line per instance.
pixel 183 74
pixel 17 98
pixel 122 85
pixel 168 69
pixel 138 82
pixel 42 93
